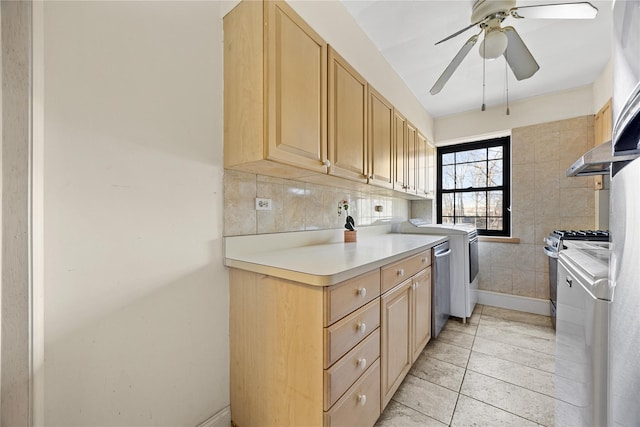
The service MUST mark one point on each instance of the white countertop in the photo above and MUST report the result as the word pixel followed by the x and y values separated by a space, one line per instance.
pixel 330 263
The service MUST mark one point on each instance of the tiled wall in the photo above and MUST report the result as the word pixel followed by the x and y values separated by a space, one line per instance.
pixel 298 206
pixel 543 199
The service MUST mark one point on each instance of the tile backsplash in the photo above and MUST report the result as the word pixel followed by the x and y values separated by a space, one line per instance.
pixel 543 198
pixel 299 206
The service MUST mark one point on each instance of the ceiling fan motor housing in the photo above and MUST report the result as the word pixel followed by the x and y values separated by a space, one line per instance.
pixel 485 8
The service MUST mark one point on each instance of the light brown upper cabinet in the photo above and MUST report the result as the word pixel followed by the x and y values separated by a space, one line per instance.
pixel 421 164
pixel 412 154
pixel 295 109
pixel 275 91
pixel 380 140
pixel 347 120
pixel 400 138
pixel 431 171
pixel 410 158
pixel 603 132
pixel 603 124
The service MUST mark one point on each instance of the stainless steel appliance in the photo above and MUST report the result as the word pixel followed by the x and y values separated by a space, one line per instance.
pixel 463 241
pixel 598 161
pixel 441 291
pixel 624 337
pixel 625 145
pixel 553 245
pixel 582 334
pixel 624 409
pixel 626 78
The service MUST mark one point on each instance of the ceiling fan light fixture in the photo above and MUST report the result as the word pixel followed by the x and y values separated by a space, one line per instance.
pixel 494 44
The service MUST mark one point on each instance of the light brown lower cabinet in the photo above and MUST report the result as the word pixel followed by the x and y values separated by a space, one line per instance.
pixel 396 338
pixel 405 329
pixel 421 288
pixel 306 355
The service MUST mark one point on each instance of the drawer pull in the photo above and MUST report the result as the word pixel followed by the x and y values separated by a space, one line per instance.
pixel 362 363
pixel 401 272
pixel 362 327
pixel 424 260
pixel 362 399
pixel 362 292
pixel 569 282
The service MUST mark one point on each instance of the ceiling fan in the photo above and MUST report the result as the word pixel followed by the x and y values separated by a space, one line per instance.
pixel 488 16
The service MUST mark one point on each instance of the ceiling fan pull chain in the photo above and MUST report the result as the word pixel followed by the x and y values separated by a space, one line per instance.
pixel 484 63
pixel 506 81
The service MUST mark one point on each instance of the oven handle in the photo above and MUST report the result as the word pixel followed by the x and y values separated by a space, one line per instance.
pixel 441 254
pixel 550 253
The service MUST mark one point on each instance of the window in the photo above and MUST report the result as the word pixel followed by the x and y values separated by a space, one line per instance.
pixel 474 185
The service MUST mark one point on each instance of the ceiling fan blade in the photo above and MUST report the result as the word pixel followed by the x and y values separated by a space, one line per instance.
pixel 462 31
pixel 453 65
pixel 576 10
pixel 518 56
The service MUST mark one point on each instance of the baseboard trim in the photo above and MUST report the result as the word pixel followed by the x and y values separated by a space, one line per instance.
pixel 221 419
pixel 514 302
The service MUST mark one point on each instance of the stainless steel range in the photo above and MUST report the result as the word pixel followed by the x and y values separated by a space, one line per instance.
pixel 554 245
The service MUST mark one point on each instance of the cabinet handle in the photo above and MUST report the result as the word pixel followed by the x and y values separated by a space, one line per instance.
pixel 327 163
pixel 569 281
pixel 401 272
pixel 424 260
pixel 362 363
pixel 362 292
pixel 362 399
pixel 362 327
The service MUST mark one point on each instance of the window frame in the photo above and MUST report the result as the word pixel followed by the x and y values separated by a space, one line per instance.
pixel 505 143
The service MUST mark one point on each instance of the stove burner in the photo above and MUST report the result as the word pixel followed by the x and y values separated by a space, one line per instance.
pixel 594 235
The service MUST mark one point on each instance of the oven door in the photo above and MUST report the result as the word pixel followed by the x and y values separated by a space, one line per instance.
pixel 553 281
pixel 474 265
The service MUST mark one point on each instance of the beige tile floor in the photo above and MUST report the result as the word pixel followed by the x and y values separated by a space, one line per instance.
pixel 495 370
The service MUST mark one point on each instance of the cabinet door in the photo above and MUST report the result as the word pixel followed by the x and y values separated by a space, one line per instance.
pixel 395 355
pixel 347 119
pixel 296 67
pixel 431 171
pixel 603 129
pixel 421 288
pixel 400 157
pixel 380 140
pixel 412 155
pixel 603 124
pixel 421 164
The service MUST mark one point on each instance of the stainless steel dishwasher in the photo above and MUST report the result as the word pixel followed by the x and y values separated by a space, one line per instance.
pixel 441 289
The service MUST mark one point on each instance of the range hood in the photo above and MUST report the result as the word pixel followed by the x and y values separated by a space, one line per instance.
pixel 597 161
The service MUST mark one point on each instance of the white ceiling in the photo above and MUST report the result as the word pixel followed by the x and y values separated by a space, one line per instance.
pixel 571 53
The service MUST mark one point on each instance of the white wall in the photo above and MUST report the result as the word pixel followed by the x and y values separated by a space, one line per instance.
pixel 530 111
pixel 136 295
pixel 582 101
pixel 603 87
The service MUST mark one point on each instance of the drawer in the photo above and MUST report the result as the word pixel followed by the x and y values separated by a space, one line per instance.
pixel 343 335
pixel 398 272
pixel 360 406
pixel 347 370
pixel 347 296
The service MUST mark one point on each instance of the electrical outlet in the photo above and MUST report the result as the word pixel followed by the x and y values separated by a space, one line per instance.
pixel 263 204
